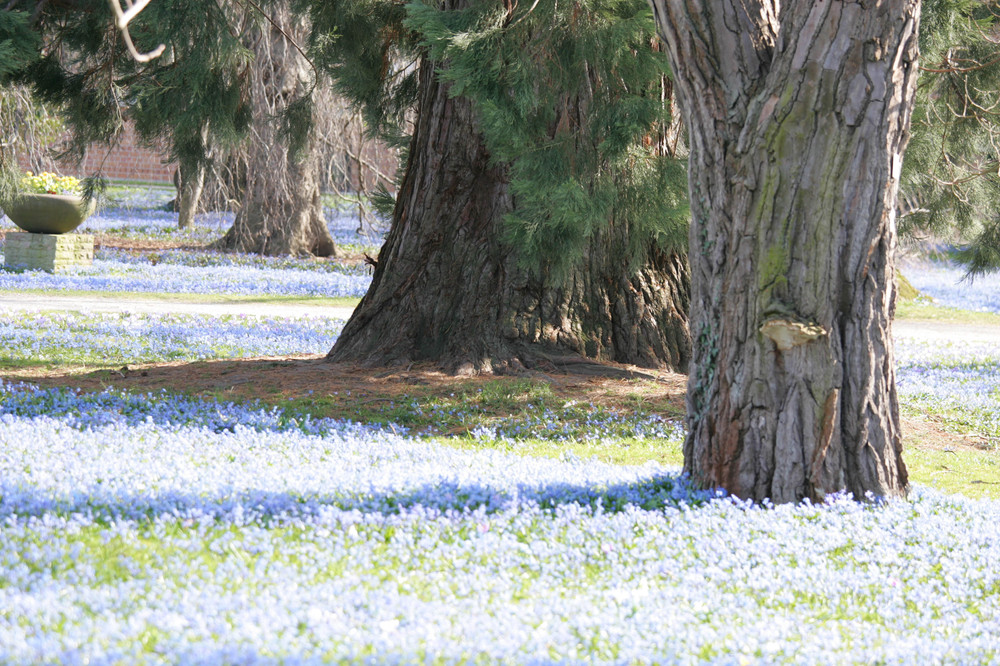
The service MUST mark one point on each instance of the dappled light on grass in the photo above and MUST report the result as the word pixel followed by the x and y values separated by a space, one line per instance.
pixel 180 531
pixel 958 381
pixel 153 528
pixel 123 338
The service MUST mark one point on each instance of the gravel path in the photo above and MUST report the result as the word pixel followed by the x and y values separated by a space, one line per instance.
pixel 910 328
pixel 945 331
pixel 34 302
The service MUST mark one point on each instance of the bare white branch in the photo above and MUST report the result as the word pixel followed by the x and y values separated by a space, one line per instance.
pixel 123 18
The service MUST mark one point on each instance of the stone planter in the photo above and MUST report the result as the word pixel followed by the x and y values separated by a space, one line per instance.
pixel 47 252
pixel 48 213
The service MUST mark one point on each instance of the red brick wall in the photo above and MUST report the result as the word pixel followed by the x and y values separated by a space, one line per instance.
pixel 125 161
pixel 130 161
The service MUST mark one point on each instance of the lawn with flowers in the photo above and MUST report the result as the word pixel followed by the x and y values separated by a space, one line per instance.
pixel 169 496
pixel 158 267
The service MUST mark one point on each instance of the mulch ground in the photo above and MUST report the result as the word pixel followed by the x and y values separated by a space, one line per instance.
pixel 275 380
pixel 349 388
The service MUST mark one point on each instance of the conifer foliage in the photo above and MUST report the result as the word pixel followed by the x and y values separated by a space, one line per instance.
pixel 574 195
pixel 229 70
pixel 951 171
pixel 85 69
pixel 18 48
pixel 575 97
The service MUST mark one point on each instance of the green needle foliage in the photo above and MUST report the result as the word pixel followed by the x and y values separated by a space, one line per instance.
pixel 951 173
pixel 364 46
pixel 18 43
pixel 85 71
pixel 573 96
pixel 19 47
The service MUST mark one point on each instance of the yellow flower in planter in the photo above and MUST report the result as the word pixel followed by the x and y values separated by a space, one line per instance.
pixel 50 183
pixel 48 204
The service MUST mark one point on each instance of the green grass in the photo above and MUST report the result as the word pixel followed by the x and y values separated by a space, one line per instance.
pixel 517 408
pixel 626 451
pixel 457 409
pixel 963 420
pixel 922 310
pixel 969 472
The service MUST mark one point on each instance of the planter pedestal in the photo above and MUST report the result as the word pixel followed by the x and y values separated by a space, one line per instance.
pixel 47 252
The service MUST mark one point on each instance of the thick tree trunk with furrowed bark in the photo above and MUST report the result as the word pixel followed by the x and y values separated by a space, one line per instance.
pixel 446 289
pixel 280 208
pixel 798 114
pixel 280 213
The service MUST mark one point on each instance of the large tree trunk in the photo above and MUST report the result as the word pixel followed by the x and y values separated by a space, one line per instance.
pixel 446 288
pixel 280 213
pixel 797 118
pixel 280 209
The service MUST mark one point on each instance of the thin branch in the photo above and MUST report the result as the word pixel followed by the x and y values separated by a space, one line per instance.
pixel 945 68
pixel 123 18
pixel 290 40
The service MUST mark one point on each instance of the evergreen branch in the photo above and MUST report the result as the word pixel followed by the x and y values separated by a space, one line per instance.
pixel 524 15
pixel 947 69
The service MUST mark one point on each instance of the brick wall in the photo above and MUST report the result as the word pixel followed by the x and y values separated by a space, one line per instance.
pixel 126 161
pixel 130 161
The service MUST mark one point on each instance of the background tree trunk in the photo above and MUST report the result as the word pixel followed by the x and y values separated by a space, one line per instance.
pixel 280 209
pixel 280 215
pixel 797 118
pixel 192 181
pixel 447 289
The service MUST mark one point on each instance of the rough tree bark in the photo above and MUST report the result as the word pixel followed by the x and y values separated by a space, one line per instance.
pixel 280 209
pixel 446 289
pixel 798 114
pixel 190 182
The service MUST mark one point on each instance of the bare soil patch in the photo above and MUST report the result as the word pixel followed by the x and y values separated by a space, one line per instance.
pixel 274 380
pixel 344 390
pixel 142 244
pixel 151 246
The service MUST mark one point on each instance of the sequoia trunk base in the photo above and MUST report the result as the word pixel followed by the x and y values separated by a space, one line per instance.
pixel 269 225
pixel 446 289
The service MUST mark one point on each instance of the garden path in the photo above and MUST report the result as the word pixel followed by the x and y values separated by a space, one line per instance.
pixel 37 302
pixel 942 331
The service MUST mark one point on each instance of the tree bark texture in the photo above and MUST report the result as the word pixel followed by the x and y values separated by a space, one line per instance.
pixel 280 209
pixel 192 181
pixel 447 289
pixel 797 115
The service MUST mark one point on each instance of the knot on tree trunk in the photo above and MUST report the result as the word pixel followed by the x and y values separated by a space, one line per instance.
pixel 787 334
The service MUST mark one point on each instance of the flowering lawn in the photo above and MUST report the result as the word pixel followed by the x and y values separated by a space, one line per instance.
pixel 945 284
pixel 198 273
pixel 122 338
pixel 959 382
pixel 201 272
pixel 154 531
pixel 162 529
pixel 159 529
pixel 143 217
